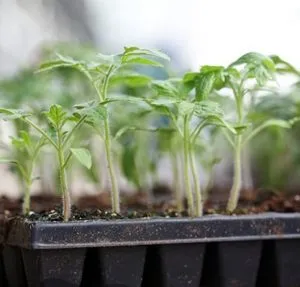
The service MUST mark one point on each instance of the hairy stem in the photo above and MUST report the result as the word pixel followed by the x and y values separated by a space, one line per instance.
pixel 237 180
pixel 234 193
pixel 102 94
pixel 63 179
pixel 114 184
pixel 26 202
pixel 188 189
pixel 197 186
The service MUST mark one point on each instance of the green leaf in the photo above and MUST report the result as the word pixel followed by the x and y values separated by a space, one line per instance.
pixel 5 160
pixel 18 143
pixel 68 60
pixel 56 116
pixel 122 131
pixel 50 65
pixel 141 61
pixel 204 86
pixel 11 114
pixel 107 59
pixel 272 122
pixel 257 66
pixel 204 82
pixel 190 77
pixel 128 51
pixel 294 121
pixel 83 156
pixel 283 66
pixel 130 79
pixel 60 62
pixel 208 108
pixel 186 108
pixel 165 88
pixel 219 121
pixel 95 113
pixel 278 123
pixel 189 81
pixel 135 55
pixel 256 59
pixel 85 105
pixel 163 102
pixel 161 108
pixel 128 164
pixel 124 98
pixel 23 142
pixel 26 138
pixel 232 73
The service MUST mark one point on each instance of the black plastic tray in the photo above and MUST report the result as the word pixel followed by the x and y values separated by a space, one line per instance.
pixel 212 251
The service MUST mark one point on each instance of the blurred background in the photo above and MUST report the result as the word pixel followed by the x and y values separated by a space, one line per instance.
pixel 192 32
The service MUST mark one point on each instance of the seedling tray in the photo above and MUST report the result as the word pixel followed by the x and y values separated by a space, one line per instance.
pixel 226 251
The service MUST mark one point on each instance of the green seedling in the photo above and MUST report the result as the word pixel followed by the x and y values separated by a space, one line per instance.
pixel 173 99
pixel 100 73
pixel 277 165
pixel 60 137
pixel 262 69
pixel 25 152
pixel 237 77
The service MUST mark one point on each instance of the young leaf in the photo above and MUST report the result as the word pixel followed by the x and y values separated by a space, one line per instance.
pixel 142 61
pixel 257 66
pixel 255 59
pixel 130 79
pixel 283 66
pixel 219 121
pixel 209 78
pixel 165 89
pixel 190 77
pixel 135 55
pixel 47 66
pixel 23 143
pixel 163 102
pixel 107 59
pixel 128 165
pixel 272 122
pixel 68 60
pixel 83 156
pixel 129 51
pixel 278 123
pixel 208 108
pixel 56 115
pixel 186 108
pixel 5 160
pixel 124 98
pixel 18 143
pixel 12 114
pixel 26 138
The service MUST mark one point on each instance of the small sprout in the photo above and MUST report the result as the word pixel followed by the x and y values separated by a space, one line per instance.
pixel 101 74
pixel 25 151
pixel 61 141
pixel 174 101
pixel 262 69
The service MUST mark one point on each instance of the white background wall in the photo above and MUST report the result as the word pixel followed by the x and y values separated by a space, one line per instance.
pixel 205 31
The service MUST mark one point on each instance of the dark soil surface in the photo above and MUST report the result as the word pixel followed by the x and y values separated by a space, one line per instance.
pixel 140 205
pixel 39 203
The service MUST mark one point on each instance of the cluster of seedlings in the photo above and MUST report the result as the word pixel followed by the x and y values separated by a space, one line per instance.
pixel 174 116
